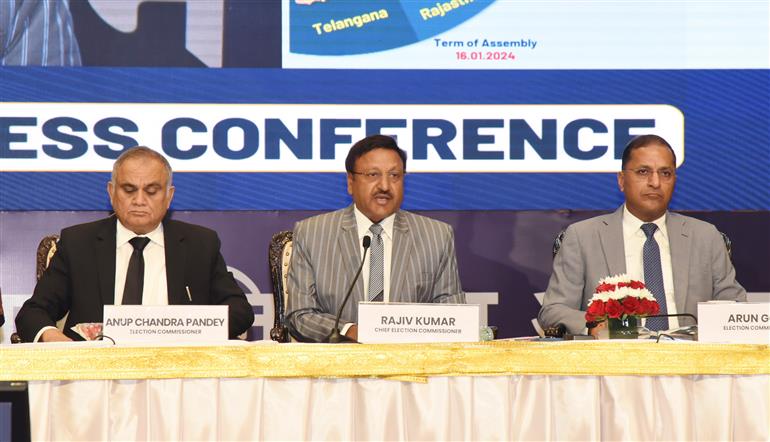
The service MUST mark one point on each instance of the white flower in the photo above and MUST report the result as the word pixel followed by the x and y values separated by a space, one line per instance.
pixel 645 294
pixel 614 279
pixel 620 292
pixel 603 296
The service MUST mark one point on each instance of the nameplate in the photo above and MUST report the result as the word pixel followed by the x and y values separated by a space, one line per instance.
pixel 383 323
pixel 165 323
pixel 734 323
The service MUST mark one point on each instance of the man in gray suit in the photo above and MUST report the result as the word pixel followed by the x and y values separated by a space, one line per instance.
pixel 411 259
pixel 693 261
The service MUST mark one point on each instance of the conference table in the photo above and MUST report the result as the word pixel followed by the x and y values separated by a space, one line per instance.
pixel 499 390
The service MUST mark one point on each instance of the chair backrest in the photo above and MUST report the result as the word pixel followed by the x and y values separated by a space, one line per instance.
pixel 728 245
pixel 45 251
pixel 557 243
pixel 279 256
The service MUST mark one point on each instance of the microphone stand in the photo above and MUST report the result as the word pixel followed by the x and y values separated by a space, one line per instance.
pixel 335 337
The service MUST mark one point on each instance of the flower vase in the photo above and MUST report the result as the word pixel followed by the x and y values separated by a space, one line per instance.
pixel 625 328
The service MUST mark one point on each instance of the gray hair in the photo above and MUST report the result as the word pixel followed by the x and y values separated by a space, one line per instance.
pixel 141 151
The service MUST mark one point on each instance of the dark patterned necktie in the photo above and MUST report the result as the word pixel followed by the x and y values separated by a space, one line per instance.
pixel 653 276
pixel 376 265
pixel 132 293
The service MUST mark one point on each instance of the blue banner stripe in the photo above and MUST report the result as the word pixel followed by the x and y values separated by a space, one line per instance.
pixel 191 85
pixel 279 191
pixel 727 134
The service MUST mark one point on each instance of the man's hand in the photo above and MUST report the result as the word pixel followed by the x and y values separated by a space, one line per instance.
pixel 352 332
pixel 54 335
pixel 595 330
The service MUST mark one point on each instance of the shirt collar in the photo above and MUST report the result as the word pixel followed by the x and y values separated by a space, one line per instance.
pixel 633 225
pixel 363 223
pixel 124 235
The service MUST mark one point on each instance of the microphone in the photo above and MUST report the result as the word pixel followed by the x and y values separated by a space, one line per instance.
pixel 335 337
pixel 691 330
pixel 685 315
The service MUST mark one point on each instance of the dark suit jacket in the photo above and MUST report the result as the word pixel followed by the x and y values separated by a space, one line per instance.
pixel 81 277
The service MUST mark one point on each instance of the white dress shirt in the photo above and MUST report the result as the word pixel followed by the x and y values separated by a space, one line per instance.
pixel 363 223
pixel 633 244
pixel 155 290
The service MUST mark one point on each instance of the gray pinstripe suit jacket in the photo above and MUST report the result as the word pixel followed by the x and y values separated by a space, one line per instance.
pixel 593 249
pixel 326 254
pixel 37 33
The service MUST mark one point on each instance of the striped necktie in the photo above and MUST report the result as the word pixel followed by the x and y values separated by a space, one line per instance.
pixel 376 265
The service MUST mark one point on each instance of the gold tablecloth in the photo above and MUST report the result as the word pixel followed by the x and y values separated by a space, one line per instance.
pixel 41 362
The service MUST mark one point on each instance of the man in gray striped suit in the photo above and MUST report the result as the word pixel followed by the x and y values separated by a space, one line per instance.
pixel 37 33
pixel 411 258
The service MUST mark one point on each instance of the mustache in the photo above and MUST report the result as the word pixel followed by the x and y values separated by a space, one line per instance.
pixel 383 193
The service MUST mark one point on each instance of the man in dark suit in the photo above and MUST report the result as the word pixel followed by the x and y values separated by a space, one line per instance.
pixel 688 263
pixel 411 259
pixel 133 257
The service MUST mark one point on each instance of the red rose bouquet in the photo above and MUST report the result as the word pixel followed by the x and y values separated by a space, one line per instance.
pixel 619 297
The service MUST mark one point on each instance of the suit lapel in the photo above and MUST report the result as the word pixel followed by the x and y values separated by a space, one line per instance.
pixel 611 238
pixel 349 249
pixel 400 256
pixel 174 245
pixel 105 251
pixel 679 241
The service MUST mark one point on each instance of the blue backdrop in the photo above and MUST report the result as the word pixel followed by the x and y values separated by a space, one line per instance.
pixel 727 134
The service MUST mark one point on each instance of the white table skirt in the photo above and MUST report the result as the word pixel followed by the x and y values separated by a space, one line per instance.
pixel 529 407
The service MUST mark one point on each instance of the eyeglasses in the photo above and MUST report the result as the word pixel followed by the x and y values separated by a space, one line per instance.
pixel 645 173
pixel 372 177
